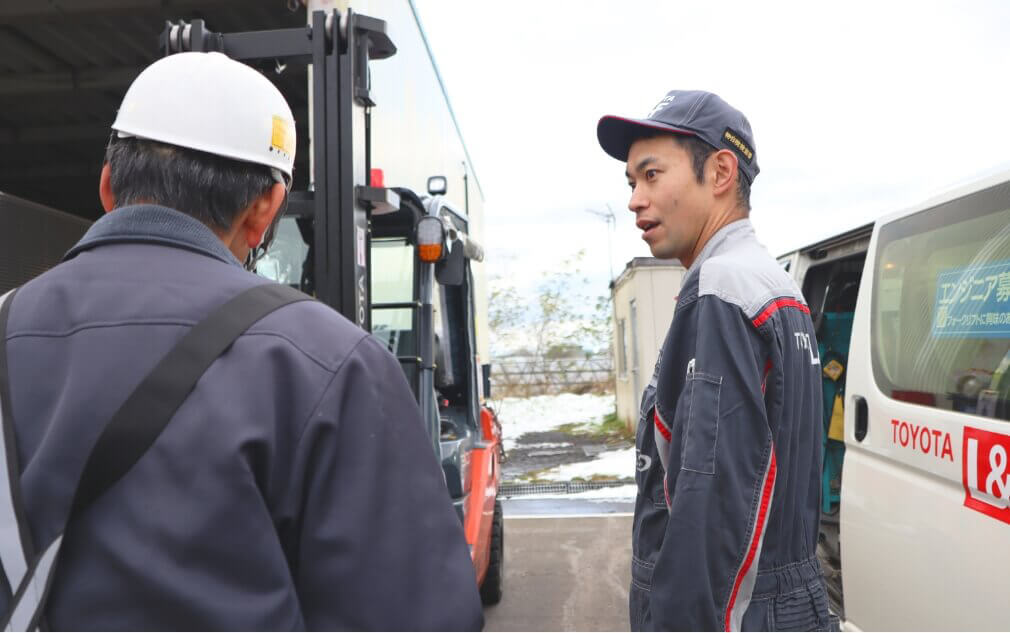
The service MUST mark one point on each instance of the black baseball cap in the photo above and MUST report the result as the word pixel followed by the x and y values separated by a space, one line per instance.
pixel 693 112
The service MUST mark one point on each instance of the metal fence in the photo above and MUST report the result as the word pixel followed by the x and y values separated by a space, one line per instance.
pixel 530 376
pixel 510 489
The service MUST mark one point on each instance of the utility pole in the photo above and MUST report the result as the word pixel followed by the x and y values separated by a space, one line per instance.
pixel 611 220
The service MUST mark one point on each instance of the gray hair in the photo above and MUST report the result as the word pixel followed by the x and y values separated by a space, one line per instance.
pixel 210 188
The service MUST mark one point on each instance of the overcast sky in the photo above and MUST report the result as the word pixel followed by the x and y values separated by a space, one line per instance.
pixel 858 109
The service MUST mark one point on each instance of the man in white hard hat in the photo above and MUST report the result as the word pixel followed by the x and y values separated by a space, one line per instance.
pixel 294 488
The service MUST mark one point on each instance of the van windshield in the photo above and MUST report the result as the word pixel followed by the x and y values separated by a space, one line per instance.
pixel 941 306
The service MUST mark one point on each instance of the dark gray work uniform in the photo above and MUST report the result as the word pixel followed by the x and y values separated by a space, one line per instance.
pixel 294 489
pixel 726 521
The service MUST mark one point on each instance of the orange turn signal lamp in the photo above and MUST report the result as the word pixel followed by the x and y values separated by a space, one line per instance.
pixel 430 239
pixel 429 253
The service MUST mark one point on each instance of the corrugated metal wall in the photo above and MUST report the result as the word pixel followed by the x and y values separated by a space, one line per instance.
pixel 64 67
pixel 35 239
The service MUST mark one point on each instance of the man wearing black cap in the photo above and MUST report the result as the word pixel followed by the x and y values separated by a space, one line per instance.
pixel 726 519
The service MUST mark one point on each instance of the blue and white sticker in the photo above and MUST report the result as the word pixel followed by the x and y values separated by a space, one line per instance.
pixel 973 302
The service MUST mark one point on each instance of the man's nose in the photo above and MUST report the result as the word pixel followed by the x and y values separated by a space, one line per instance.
pixel 638 200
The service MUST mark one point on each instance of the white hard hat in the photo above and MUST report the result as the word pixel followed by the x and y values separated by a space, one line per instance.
pixel 211 103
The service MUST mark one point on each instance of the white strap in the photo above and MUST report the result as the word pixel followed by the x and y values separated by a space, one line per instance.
pixel 24 582
pixel 28 601
pixel 12 552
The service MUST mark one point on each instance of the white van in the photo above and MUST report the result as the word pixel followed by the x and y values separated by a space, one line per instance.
pixel 913 320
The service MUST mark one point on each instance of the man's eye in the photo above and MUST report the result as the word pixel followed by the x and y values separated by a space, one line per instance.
pixel 650 174
pixel 632 185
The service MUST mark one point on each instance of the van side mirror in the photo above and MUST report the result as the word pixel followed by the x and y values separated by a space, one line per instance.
pixel 437 185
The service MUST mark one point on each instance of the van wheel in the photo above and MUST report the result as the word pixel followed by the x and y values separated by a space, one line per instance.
pixel 491 588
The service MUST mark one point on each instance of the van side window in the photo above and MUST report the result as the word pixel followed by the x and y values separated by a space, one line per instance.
pixel 941 306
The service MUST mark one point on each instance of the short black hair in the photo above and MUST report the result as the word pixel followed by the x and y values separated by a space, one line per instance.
pixel 699 151
pixel 210 188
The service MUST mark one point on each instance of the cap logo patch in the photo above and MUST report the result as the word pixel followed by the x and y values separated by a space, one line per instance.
pixel 733 138
pixel 662 104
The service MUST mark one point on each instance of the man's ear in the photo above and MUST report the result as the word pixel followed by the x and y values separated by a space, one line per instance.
pixel 105 189
pixel 725 172
pixel 261 213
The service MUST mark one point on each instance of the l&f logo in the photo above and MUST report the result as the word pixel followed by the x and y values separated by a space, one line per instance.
pixel 985 475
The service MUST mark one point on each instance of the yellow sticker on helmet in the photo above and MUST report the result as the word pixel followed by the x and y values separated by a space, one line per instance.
pixel 283 137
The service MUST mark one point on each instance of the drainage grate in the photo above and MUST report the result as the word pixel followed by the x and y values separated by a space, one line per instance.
pixel 558 487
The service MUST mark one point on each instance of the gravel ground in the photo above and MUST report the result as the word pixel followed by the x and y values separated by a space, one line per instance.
pixel 540 450
pixel 541 433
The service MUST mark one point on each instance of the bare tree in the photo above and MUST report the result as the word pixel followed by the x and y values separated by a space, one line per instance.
pixel 562 318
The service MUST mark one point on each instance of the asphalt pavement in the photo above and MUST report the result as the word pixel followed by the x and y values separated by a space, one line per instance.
pixel 565 572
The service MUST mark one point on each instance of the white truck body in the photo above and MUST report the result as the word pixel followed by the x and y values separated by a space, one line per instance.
pixel 924 511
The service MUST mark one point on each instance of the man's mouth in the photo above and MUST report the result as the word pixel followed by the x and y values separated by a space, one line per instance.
pixel 646 226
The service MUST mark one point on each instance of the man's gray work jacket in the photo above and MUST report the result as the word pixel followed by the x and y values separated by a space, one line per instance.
pixel 729 441
pixel 295 488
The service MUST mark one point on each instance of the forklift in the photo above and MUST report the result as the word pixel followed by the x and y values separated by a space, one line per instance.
pixel 396 263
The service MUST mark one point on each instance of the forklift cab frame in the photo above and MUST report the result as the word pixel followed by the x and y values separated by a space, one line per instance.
pixel 430 330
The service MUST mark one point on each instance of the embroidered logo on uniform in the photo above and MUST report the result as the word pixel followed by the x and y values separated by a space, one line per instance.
pixel 803 342
pixel 662 104
pixel 644 462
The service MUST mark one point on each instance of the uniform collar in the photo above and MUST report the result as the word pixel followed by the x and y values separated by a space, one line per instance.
pixel 732 232
pixel 153 224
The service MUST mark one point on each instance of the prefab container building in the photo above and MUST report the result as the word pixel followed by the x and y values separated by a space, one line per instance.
pixel 644 296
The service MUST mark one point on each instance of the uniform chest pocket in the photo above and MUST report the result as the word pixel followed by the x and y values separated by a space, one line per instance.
pixel 701 425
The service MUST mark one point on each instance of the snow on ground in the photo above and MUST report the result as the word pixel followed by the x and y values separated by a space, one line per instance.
pixel 619 464
pixel 617 493
pixel 545 413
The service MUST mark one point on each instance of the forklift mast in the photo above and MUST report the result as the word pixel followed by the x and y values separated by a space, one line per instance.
pixel 334 212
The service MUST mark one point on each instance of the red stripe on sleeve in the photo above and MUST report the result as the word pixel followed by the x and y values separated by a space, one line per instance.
pixel 775 305
pixel 662 427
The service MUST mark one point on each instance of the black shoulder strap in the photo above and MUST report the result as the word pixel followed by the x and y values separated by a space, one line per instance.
pixel 126 437
pixel 143 416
